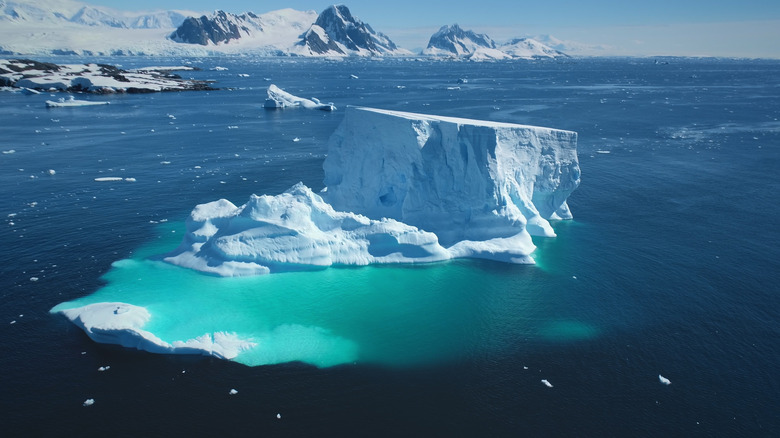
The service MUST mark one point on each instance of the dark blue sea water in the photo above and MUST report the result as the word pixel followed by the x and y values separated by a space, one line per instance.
pixel 670 266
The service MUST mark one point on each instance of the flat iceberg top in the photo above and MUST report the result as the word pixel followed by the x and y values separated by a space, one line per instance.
pixel 400 188
pixel 455 120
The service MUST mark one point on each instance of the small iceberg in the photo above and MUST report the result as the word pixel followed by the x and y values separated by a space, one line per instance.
pixel 278 98
pixel 547 383
pixel 71 102
pixel 664 380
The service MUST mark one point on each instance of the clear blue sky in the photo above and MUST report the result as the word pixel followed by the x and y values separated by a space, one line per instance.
pixel 609 27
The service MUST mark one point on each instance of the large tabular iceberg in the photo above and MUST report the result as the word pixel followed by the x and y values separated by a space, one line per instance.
pixel 400 187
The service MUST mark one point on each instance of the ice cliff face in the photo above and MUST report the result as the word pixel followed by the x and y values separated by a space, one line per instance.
pixel 401 188
pixel 463 180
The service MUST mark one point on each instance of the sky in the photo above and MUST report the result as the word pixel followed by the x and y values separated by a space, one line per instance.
pixel 747 28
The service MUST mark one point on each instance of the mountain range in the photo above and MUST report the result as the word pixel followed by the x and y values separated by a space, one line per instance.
pixel 454 42
pixel 46 27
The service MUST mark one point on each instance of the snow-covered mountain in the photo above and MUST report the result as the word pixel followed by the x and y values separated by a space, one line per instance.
pixel 337 33
pixel 454 42
pixel 275 31
pixel 54 27
pixel 529 48
pixel 63 12
pixel 334 32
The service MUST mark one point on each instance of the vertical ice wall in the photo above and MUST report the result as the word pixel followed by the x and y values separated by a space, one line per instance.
pixel 464 180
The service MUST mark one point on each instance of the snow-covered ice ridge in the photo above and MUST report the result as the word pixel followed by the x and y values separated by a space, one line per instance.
pixel 91 78
pixel 400 188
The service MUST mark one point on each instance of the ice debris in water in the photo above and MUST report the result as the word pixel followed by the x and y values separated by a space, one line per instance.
pixel 89 402
pixel 105 368
pixel 233 392
pixel 547 383
pixel 664 380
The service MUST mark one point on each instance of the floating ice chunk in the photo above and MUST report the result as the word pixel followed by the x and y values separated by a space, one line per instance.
pixel 353 77
pixel 9 151
pixel 547 383
pixel 130 179
pixel 89 402
pixel 278 98
pixel 233 392
pixel 122 324
pixel 13 322
pixel 664 380
pixel 278 416
pixel 34 279
pixel 72 102
pixel 52 171
pixel 105 368
pixel 401 188
pixel 108 178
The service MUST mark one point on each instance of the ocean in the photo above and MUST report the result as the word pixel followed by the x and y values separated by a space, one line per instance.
pixel 670 266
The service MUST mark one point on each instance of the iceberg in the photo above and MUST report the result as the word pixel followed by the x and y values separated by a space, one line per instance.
pixel 278 98
pixel 400 188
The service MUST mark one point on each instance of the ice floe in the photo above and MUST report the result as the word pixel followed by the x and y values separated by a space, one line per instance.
pixel 278 98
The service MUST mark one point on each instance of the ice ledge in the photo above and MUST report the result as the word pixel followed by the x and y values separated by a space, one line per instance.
pixel 122 324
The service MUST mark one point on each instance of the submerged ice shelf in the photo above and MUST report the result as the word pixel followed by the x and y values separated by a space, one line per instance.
pixel 400 188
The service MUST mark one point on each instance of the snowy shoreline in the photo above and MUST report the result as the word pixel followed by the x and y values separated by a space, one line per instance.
pixel 92 78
